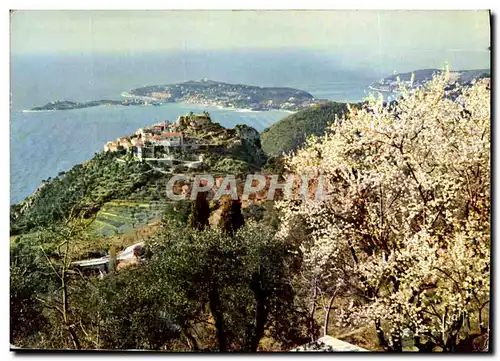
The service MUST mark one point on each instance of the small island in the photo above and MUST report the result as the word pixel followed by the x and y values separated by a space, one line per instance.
pixel 203 92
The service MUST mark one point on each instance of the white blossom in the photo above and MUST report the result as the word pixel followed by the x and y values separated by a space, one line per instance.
pixel 407 221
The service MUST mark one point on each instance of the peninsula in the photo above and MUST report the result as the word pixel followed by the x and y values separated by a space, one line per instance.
pixel 203 92
pixel 238 96
pixel 67 105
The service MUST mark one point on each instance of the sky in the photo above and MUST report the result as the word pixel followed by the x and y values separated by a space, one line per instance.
pixel 362 36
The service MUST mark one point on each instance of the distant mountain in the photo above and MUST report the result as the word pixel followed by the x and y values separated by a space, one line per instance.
pixel 289 133
pixel 422 75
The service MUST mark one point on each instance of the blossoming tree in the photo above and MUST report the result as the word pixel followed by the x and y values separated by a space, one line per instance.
pixel 406 224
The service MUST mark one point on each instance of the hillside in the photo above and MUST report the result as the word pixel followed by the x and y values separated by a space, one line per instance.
pixel 90 188
pixel 290 132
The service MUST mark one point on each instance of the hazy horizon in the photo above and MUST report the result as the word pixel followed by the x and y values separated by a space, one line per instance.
pixel 377 40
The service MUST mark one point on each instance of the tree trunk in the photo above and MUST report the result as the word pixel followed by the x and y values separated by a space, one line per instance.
pixel 261 312
pixel 69 328
pixel 191 340
pixel 313 311
pixel 381 337
pixel 397 343
pixel 426 347
pixel 74 337
pixel 327 316
pixel 215 308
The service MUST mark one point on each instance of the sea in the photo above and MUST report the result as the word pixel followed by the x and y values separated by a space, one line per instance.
pixel 42 144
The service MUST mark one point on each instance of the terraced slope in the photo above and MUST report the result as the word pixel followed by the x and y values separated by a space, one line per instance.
pixel 121 216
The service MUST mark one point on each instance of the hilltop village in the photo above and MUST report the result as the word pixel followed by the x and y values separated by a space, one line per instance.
pixel 184 142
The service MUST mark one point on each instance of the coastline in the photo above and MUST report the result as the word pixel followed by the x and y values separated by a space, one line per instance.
pixel 220 107
pixel 197 105
pixel 379 90
pixel 37 111
pixel 238 110
pixel 126 94
pixel 110 122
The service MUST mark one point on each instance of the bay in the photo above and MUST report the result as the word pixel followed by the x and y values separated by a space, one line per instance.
pixel 45 143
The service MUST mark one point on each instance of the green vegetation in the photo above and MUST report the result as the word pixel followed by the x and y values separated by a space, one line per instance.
pixel 119 216
pixel 198 290
pixel 200 212
pixel 228 95
pixel 230 219
pixel 396 263
pixel 289 133
pixel 198 286
pixel 111 176
pixel 81 190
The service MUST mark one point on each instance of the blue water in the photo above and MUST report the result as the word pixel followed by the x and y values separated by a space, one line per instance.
pixel 45 143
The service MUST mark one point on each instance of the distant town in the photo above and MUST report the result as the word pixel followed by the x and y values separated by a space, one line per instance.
pixel 390 84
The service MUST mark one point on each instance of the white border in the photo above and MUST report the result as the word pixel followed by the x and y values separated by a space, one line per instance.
pixel 179 4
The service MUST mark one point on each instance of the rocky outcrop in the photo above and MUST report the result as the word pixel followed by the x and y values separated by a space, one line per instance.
pixel 249 148
pixel 246 132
